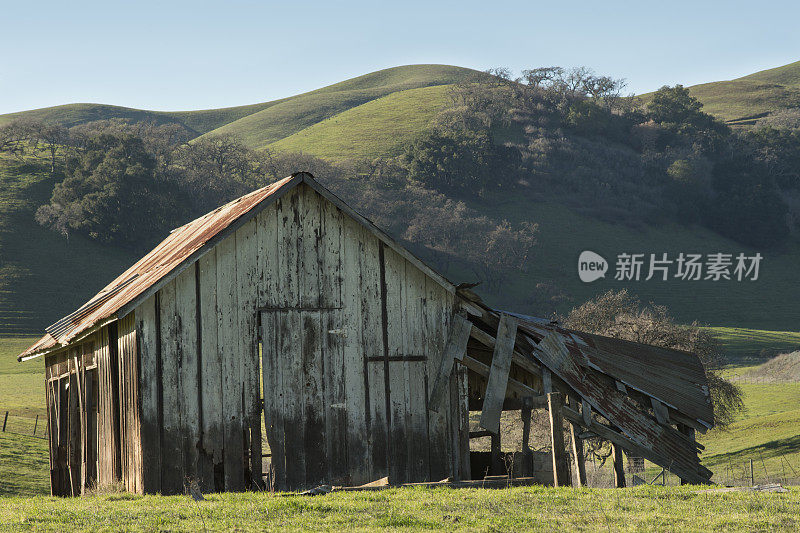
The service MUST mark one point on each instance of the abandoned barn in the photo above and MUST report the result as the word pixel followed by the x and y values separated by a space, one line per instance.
pixel 284 341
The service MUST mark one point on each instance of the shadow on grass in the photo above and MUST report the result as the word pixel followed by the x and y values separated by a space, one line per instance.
pixel 768 450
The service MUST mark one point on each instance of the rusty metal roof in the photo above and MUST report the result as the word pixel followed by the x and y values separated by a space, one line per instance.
pixel 178 248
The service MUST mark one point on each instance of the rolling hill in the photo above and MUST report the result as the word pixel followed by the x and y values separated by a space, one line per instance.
pixel 43 276
pixel 742 101
pixel 264 123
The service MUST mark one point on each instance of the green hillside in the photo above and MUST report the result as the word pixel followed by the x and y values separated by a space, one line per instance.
pixel 768 303
pixel 42 275
pixel 264 123
pixel 380 127
pixel 297 113
pixel 744 100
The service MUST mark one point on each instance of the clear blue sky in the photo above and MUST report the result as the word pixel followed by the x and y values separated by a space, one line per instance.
pixel 172 55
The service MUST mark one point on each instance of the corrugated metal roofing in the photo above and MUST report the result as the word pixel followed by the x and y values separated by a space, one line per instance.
pixel 178 247
pixel 670 376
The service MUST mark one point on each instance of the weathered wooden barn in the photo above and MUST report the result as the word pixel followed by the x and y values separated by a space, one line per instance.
pixel 288 313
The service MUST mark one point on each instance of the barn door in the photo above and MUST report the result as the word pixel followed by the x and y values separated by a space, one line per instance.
pixel 304 397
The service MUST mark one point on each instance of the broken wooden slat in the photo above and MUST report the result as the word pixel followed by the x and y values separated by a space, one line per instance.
pixel 661 412
pixel 586 412
pixel 498 374
pixel 454 350
pixel 547 381
pixel 513 385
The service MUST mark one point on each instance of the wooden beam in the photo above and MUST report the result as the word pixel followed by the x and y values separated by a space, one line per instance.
pixel 520 388
pixel 619 467
pixel 560 471
pixel 454 350
pixel 498 374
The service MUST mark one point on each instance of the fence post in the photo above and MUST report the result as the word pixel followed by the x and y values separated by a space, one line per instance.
pixel 4 422
pixel 35 424
pixel 752 481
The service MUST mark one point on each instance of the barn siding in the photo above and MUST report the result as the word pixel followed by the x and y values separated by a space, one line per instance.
pixel 331 326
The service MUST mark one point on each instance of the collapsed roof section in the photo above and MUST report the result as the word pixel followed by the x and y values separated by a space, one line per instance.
pixel 641 398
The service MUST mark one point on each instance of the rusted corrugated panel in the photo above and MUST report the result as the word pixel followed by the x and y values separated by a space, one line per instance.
pixel 163 259
pixel 562 354
pixel 673 377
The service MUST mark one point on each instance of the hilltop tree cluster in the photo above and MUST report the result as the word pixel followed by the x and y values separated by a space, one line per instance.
pixel 128 184
pixel 570 135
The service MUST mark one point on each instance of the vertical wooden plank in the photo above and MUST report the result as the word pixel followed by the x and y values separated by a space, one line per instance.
pixel 171 362
pixel 149 381
pixel 308 247
pixel 373 342
pixel 437 320
pixel 456 347
pixel 290 332
pixel 289 231
pixel 74 446
pixel 462 411
pixel 247 285
pixel 313 418
pixel 393 299
pixel 355 365
pixel 186 337
pixel 210 456
pixel 498 374
pixel 268 259
pixel 560 472
pixel 228 344
pixel 273 397
pixel 334 333
pixel 416 371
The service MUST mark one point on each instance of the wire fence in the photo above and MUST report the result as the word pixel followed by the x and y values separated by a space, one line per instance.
pixel 29 426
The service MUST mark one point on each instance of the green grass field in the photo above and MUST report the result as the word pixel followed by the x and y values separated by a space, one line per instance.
pixel 766 432
pixel 380 127
pixel 413 509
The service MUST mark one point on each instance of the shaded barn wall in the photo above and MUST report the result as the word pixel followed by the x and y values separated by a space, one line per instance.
pixel 92 406
pixel 352 335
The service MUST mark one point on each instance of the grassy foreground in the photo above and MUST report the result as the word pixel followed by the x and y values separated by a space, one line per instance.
pixel 517 509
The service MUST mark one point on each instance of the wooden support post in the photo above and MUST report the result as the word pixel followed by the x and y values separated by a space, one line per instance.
pixel 619 468
pixel 560 469
pixel 578 459
pixel 4 422
pixel 496 467
pixel 689 432
pixel 525 414
pixel 35 425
